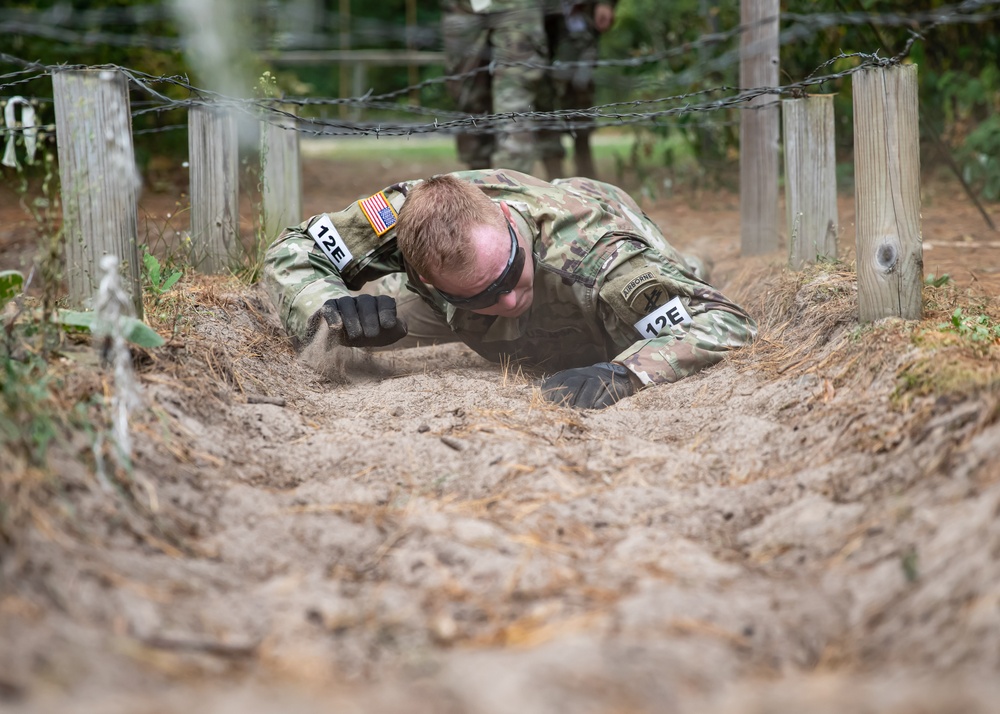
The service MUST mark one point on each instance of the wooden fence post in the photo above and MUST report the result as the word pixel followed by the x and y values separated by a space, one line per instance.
pixel 810 179
pixel 887 193
pixel 759 128
pixel 282 172
pixel 99 180
pixel 213 154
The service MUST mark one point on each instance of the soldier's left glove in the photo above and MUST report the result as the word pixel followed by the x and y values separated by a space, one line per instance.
pixel 594 387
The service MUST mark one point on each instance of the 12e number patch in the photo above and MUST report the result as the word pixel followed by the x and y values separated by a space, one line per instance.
pixel 670 314
pixel 328 239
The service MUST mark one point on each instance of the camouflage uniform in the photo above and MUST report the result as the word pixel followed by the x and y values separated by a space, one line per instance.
pixel 572 37
pixel 477 32
pixel 607 285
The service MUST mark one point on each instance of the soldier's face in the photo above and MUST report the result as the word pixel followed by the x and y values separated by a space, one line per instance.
pixel 493 258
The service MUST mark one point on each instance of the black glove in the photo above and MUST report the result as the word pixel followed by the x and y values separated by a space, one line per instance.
pixel 594 387
pixel 364 321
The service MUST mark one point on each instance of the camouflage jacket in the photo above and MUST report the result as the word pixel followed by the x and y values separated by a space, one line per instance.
pixel 607 284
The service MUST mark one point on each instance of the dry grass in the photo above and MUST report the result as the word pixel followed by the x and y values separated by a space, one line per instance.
pixel 809 325
pixel 225 344
pixel 799 315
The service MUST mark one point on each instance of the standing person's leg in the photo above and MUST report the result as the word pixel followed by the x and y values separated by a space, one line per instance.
pixel 550 142
pixel 579 45
pixel 466 46
pixel 517 38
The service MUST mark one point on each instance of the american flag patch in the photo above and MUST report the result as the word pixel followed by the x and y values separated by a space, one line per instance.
pixel 379 212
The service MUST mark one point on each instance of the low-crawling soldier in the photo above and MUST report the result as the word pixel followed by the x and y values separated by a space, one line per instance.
pixel 568 277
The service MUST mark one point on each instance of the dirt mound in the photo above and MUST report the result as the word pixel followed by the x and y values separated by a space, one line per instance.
pixel 810 525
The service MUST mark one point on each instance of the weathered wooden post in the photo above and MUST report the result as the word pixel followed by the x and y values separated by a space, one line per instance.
pixel 887 193
pixel 759 128
pixel 213 155
pixel 99 180
pixel 282 172
pixel 810 179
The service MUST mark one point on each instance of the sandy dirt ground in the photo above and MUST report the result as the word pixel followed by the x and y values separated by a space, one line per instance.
pixel 813 525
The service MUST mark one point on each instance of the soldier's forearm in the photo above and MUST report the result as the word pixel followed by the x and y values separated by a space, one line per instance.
pixel 299 280
pixel 705 342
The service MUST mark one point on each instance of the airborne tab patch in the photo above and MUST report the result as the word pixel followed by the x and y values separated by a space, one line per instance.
pixel 634 284
pixel 379 212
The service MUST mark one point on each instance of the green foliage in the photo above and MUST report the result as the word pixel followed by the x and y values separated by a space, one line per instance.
pixel 136 331
pixel 937 281
pixel 959 76
pixel 28 414
pixel 980 157
pixel 975 328
pixel 964 102
pixel 959 69
pixel 158 281
pixel 11 282
pixel 70 42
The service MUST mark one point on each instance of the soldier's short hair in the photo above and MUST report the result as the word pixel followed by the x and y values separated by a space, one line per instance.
pixel 435 225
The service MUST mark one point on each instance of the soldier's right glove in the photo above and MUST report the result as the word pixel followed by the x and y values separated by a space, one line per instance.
pixel 594 387
pixel 364 321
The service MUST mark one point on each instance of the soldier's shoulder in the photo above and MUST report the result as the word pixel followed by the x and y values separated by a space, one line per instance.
pixel 501 178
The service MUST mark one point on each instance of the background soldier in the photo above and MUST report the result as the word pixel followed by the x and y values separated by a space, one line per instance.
pixel 573 29
pixel 569 277
pixel 508 32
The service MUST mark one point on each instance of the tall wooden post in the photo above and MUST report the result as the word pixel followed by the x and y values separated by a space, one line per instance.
pixel 282 172
pixel 759 128
pixel 810 179
pixel 99 180
pixel 213 154
pixel 887 193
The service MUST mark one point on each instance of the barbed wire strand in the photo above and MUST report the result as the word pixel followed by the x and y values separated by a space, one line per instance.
pixel 561 120
pixel 64 24
pixel 532 121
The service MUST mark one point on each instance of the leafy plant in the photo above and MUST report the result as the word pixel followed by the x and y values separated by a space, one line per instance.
pixel 937 281
pixel 158 281
pixel 11 283
pixel 981 154
pixel 136 331
pixel 975 328
pixel 28 420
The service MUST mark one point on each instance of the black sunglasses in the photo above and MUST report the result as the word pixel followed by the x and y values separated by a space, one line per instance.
pixel 501 286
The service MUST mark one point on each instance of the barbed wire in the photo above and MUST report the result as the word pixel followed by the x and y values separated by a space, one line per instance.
pixel 531 121
pixel 379 101
pixel 62 23
pixel 271 109
pixel 77 23
pixel 534 121
pixel 803 26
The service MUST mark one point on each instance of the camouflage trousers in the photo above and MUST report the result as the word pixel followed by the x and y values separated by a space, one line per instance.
pixel 472 41
pixel 570 39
